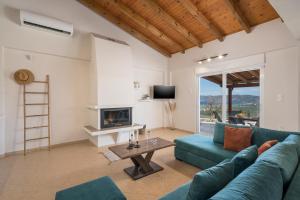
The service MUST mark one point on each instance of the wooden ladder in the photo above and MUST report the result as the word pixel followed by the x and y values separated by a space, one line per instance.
pixel 25 93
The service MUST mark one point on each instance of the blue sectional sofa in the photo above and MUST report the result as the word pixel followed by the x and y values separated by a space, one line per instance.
pixel 275 174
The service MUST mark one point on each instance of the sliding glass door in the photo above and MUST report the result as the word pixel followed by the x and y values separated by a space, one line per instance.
pixel 210 102
pixel 231 97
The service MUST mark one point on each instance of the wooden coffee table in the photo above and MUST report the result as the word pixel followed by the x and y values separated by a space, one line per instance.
pixel 143 166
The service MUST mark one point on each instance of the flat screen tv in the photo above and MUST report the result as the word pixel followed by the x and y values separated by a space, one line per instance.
pixel 163 92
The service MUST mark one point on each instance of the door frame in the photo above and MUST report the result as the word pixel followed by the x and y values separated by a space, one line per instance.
pixel 224 73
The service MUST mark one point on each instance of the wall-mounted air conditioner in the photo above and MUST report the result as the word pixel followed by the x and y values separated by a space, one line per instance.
pixel 45 23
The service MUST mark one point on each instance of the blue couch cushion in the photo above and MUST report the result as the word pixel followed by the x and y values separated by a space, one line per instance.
pixel 244 159
pixel 261 135
pixel 285 156
pixel 193 159
pixel 294 139
pixel 208 182
pixel 100 189
pixel 293 191
pixel 178 194
pixel 220 129
pixel 203 147
pixel 259 181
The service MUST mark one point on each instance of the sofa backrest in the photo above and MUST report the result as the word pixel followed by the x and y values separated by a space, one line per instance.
pixel 220 129
pixel 285 156
pixel 249 184
pixel 294 138
pixel 261 135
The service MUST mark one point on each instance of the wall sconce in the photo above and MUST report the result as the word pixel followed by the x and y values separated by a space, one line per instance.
pixel 136 85
pixel 209 59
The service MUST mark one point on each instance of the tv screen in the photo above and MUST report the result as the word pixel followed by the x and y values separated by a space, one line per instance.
pixel 163 92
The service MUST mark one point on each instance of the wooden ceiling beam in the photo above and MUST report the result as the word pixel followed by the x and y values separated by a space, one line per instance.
pixel 139 20
pixel 238 14
pixel 94 6
pixel 196 13
pixel 254 74
pixel 241 85
pixel 172 22
pixel 239 76
pixel 229 80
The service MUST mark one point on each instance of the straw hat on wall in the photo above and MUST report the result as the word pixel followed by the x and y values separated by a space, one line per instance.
pixel 23 76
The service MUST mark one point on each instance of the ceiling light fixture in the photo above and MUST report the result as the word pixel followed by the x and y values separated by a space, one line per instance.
pixel 209 59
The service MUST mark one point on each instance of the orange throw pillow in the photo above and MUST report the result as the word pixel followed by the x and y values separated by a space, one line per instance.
pixel 237 139
pixel 267 145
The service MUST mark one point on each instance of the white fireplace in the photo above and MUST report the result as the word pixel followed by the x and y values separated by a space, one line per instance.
pixel 111 92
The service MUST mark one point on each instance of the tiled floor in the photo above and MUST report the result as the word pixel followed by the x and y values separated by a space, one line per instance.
pixel 40 174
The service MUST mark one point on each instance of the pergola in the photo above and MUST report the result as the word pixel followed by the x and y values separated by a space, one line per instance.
pixel 236 80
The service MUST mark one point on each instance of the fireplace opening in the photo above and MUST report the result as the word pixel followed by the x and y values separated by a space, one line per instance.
pixel 116 117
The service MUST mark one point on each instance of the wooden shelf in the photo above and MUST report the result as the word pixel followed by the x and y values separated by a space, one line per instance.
pixel 34 127
pixel 40 138
pixel 37 115
pixel 36 92
pixel 35 104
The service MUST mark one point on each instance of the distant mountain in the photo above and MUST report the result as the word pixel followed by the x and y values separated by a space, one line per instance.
pixel 236 99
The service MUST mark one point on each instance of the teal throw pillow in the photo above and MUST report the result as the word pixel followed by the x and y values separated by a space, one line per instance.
pixel 208 182
pixel 244 159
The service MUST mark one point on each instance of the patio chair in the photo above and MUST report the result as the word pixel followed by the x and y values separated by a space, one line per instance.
pixel 217 116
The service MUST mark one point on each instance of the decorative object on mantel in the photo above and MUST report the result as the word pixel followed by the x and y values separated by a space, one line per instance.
pixel 136 85
pixel 171 106
pixel 209 59
pixel 145 97
pixel 23 76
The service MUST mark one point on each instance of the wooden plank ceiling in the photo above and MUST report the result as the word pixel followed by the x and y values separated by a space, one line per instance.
pixel 172 26
pixel 237 79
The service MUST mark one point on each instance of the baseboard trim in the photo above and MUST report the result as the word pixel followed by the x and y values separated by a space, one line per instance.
pixel 75 142
pixel 42 148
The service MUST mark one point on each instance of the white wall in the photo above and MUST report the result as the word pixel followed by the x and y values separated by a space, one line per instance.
pixel 299 81
pixel 68 98
pixel 2 114
pixel 281 86
pixel 86 22
pixel 289 12
pixel 145 112
pixel 64 58
pixel 264 39
pixel 186 95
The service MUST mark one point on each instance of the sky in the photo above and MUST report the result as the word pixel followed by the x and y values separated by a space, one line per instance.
pixel 210 88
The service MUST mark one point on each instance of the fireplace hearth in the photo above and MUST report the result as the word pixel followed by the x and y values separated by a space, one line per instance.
pixel 115 117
